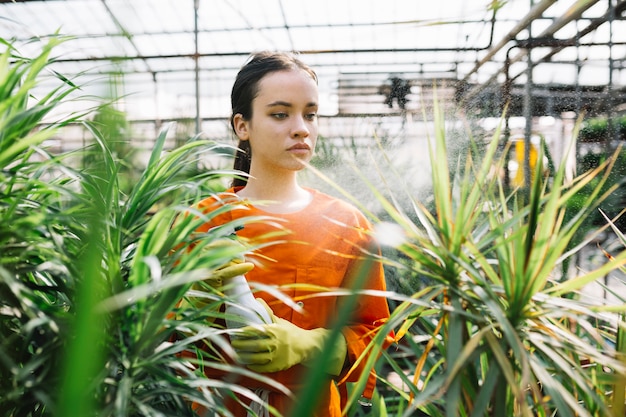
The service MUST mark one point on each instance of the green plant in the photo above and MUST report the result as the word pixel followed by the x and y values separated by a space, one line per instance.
pixel 600 129
pixel 91 271
pixel 489 328
pixel 32 266
pixel 115 130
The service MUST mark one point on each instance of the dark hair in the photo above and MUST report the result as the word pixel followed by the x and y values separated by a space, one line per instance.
pixel 246 88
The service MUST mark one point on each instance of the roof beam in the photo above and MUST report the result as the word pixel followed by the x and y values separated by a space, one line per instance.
pixel 533 14
pixel 573 13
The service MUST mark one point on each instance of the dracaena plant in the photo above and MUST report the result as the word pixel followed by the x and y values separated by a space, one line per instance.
pixel 91 271
pixel 30 260
pixel 487 323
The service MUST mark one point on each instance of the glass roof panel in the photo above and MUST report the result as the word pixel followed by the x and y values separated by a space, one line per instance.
pixel 461 40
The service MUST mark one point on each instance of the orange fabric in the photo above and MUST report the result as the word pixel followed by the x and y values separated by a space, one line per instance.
pixel 320 245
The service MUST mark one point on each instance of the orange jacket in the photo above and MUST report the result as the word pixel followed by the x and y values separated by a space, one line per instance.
pixel 321 245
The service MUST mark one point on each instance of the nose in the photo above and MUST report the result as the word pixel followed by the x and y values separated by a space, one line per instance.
pixel 300 128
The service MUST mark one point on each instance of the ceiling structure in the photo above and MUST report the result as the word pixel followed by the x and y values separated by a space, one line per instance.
pixel 179 57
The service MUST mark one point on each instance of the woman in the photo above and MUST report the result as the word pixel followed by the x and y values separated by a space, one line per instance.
pixel 315 241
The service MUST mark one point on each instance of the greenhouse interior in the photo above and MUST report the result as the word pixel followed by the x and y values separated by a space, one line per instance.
pixel 481 139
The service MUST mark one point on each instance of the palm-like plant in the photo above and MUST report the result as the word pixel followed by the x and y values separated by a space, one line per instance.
pixel 33 284
pixel 491 328
pixel 90 274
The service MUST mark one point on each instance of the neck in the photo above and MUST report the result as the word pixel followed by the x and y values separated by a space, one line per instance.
pixel 270 190
pixel 278 193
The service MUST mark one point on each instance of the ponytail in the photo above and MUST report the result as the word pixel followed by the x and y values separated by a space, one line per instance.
pixel 243 156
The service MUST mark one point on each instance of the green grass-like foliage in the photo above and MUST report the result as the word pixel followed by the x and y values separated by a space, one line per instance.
pixel 91 272
pixel 491 327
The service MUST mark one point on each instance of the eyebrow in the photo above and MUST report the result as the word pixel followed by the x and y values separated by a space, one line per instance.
pixel 287 104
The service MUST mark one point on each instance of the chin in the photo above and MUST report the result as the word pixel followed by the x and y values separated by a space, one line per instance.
pixel 299 167
pixel 300 163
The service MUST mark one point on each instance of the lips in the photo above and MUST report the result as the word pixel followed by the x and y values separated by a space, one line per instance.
pixel 300 146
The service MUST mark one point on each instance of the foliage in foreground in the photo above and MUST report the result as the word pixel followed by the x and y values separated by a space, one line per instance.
pixel 489 327
pixel 90 274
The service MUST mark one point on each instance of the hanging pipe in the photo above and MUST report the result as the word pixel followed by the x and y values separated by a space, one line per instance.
pixel 528 45
pixel 533 14
pixel 573 13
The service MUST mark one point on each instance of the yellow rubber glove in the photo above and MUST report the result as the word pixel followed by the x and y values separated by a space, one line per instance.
pixel 236 266
pixel 220 276
pixel 281 345
pixel 230 270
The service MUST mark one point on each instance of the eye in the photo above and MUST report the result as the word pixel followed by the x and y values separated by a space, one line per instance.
pixel 279 115
pixel 310 116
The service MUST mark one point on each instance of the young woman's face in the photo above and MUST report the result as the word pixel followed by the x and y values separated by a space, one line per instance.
pixel 283 128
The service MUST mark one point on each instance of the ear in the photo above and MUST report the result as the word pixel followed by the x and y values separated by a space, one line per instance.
pixel 241 127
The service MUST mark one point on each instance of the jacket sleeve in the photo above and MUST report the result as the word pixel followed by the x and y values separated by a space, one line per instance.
pixel 370 314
